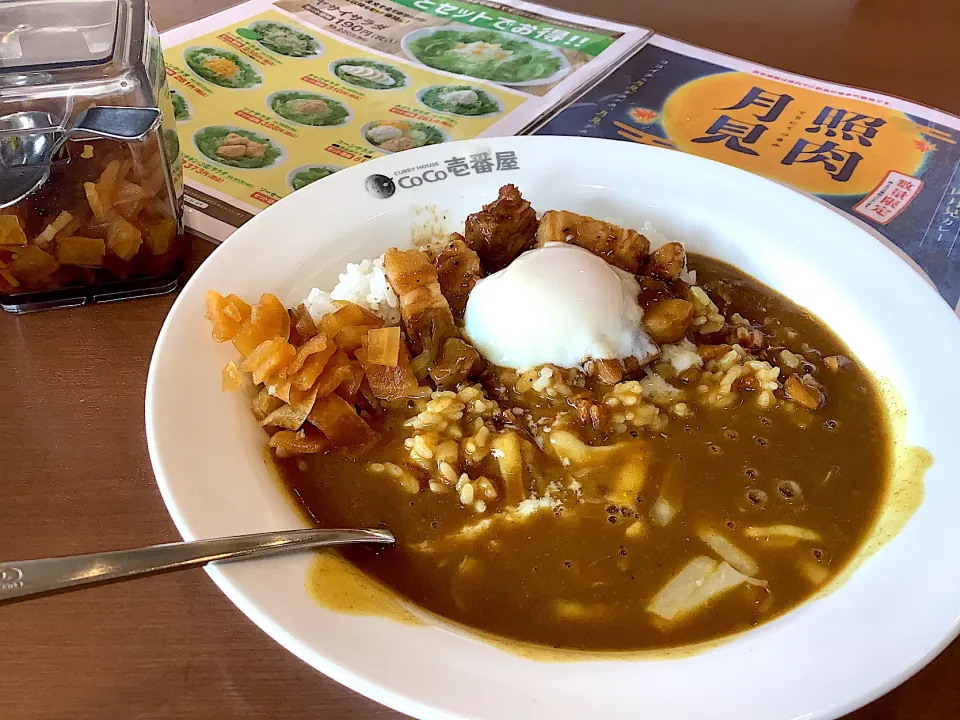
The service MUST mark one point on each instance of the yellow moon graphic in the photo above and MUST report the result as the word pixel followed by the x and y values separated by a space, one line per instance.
pixel 698 106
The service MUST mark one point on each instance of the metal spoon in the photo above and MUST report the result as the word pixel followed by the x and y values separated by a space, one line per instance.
pixel 30 139
pixel 19 580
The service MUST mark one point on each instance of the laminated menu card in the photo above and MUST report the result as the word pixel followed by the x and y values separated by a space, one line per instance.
pixel 271 96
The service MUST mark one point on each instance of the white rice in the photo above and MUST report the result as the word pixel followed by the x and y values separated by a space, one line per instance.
pixel 657 390
pixel 682 355
pixel 319 304
pixel 363 283
pixel 657 239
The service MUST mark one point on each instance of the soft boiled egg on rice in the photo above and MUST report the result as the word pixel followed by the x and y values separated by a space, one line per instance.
pixel 559 305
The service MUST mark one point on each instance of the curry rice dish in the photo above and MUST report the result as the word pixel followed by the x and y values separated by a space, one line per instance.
pixel 578 441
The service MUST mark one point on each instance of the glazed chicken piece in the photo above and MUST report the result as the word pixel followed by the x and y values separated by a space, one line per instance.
pixel 458 270
pixel 238 146
pixel 425 311
pixel 621 247
pixel 667 261
pixel 502 230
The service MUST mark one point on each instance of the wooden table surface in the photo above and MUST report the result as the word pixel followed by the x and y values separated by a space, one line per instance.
pixel 73 457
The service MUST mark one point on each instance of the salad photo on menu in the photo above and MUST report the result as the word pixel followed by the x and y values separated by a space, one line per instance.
pixel 486 54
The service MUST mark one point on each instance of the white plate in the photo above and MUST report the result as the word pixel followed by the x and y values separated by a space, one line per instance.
pixel 823 659
pixel 407 40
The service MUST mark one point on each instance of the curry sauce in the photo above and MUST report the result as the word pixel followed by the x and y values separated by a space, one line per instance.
pixel 580 567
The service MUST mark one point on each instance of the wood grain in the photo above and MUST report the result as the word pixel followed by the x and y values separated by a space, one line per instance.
pixel 76 478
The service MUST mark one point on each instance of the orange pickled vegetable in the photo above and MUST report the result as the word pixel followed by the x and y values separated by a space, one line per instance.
pixel 316 344
pixel 339 422
pixel 303 321
pixel 351 337
pixel 349 314
pixel 268 319
pixel 313 367
pixel 95 201
pixel 160 236
pixel 242 307
pixel 337 372
pixel 268 358
pixel 10 231
pixel 33 264
pixel 383 346
pixel 107 185
pixel 123 239
pixel 390 382
pixel 81 251
pixel 224 315
pixel 232 379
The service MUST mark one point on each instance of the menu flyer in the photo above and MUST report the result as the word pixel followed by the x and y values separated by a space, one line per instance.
pixel 270 97
pixel 891 165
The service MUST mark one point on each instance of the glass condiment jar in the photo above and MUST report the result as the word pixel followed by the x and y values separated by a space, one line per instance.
pixel 91 183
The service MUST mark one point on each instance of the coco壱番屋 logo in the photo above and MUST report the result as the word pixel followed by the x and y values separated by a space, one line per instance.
pixel 380 186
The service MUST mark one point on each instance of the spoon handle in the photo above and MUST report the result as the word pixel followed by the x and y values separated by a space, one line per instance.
pixel 34 577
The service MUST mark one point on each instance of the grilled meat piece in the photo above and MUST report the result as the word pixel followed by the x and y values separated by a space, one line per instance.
pixel 458 270
pixel 667 261
pixel 621 247
pixel 425 312
pixel 502 230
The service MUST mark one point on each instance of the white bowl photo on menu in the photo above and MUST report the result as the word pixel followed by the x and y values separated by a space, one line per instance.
pixel 652 435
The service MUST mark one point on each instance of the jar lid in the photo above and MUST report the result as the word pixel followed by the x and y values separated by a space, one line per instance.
pixel 50 34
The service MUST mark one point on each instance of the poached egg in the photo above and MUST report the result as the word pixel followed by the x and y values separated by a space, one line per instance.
pixel 559 305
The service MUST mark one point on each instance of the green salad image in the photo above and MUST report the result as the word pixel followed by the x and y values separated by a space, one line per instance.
pixel 369 74
pixel 236 147
pixel 486 54
pixel 171 145
pixel 459 100
pixel 302 177
pixel 307 108
pixel 222 67
pixel 181 108
pixel 282 39
pixel 397 135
